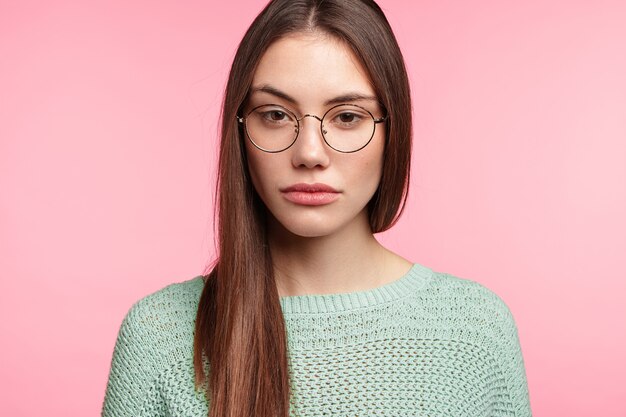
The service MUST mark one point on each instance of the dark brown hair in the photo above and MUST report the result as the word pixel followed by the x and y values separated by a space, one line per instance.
pixel 240 345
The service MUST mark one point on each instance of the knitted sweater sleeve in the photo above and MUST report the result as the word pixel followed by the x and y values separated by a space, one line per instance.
pixel 135 366
pixel 502 339
pixel 516 374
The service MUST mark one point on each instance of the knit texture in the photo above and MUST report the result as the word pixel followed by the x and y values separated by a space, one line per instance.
pixel 428 344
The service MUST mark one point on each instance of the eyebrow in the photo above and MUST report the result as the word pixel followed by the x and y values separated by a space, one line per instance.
pixel 344 98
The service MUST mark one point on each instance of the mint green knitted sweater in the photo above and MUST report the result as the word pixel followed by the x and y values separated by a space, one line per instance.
pixel 428 344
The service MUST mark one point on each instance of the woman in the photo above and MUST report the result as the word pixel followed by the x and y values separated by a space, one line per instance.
pixel 304 312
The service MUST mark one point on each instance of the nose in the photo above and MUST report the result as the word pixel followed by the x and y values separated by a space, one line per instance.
pixel 309 150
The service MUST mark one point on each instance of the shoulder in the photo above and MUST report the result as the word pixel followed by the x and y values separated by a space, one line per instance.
pixel 467 313
pixel 159 327
pixel 462 309
pixel 171 298
pixel 155 336
pixel 170 309
pixel 467 297
pixel 465 310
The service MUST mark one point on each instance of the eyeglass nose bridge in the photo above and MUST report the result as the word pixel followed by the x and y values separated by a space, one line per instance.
pixel 319 119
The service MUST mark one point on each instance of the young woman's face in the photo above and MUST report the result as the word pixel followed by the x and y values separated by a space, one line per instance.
pixel 311 189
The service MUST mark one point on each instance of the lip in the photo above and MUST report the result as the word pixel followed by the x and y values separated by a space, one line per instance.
pixel 309 188
pixel 310 194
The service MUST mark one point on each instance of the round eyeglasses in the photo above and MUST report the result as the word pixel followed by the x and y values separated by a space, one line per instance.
pixel 345 128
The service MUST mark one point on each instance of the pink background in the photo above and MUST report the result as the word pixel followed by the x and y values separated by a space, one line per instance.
pixel 108 119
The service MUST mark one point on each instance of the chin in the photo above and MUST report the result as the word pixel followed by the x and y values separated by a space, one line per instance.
pixel 309 230
pixel 319 226
pixel 316 224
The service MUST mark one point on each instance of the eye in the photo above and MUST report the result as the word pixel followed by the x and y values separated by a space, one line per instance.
pixel 347 117
pixel 273 115
pixel 276 115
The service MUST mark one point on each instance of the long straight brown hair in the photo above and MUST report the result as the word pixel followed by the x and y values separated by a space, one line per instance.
pixel 240 345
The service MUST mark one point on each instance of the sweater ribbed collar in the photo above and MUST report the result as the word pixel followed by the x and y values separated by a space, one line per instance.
pixel 330 303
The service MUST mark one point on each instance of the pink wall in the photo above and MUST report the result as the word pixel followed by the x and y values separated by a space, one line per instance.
pixel 107 135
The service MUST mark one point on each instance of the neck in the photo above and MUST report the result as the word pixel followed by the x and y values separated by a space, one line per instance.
pixel 348 260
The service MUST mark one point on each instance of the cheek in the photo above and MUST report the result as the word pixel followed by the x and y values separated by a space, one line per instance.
pixel 373 162
pixel 362 173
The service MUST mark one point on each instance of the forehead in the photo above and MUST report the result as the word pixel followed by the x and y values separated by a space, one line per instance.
pixel 312 68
